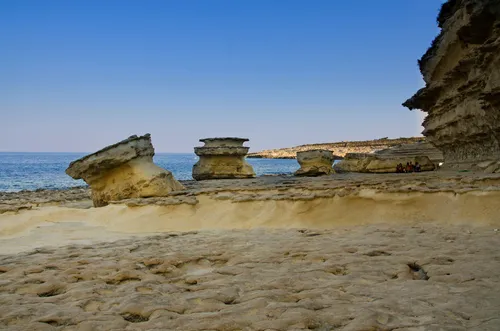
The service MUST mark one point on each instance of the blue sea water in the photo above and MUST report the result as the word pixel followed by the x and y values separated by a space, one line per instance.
pixel 31 171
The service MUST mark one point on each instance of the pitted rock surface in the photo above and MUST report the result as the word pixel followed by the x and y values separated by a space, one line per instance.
pixel 408 278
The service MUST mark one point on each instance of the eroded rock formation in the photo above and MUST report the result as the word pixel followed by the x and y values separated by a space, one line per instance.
pixel 124 170
pixel 461 70
pixel 372 163
pixel 339 148
pixel 410 151
pixel 222 158
pixel 315 163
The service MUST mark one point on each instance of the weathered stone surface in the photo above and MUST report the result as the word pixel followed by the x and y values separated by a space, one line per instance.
pixel 315 163
pixel 461 70
pixel 222 158
pixel 410 151
pixel 488 166
pixel 373 163
pixel 124 170
pixel 415 277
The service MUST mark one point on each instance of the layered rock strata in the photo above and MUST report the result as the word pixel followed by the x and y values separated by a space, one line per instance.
pixel 315 163
pixel 340 148
pixel 410 151
pixel 372 163
pixel 124 170
pixel 461 70
pixel 222 158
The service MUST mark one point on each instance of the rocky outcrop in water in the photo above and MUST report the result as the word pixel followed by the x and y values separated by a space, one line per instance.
pixel 462 74
pixel 124 170
pixel 372 163
pixel 315 163
pixel 222 158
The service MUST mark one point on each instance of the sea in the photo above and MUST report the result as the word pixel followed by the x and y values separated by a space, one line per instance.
pixel 32 171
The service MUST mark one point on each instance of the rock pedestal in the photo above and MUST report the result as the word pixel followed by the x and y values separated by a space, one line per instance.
pixel 222 158
pixel 124 170
pixel 315 163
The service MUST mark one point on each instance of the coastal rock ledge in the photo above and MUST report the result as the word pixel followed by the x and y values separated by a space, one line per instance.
pixel 461 70
pixel 124 170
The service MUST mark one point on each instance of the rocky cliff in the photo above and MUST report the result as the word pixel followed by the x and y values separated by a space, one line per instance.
pixel 338 148
pixel 461 70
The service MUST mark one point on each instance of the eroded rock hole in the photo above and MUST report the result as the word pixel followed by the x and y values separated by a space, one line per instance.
pixel 54 322
pixel 50 293
pixel 135 318
pixel 378 253
pixel 122 280
pixel 418 273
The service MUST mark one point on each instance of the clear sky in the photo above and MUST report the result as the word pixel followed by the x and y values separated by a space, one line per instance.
pixel 78 75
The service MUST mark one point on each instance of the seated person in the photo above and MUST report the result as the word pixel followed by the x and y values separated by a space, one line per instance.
pixel 399 168
pixel 408 168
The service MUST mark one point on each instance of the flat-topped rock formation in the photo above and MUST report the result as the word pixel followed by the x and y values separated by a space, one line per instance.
pixel 339 149
pixel 410 151
pixel 461 70
pixel 373 163
pixel 124 170
pixel 222 158
pixel 315 163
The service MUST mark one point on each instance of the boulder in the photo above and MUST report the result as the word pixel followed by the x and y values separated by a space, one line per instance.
pixel 372 163
pixel 124 170
pixel 461 97
pixel 315 163
pixel 222 158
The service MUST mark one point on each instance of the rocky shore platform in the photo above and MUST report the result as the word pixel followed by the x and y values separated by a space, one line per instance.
pixel 346 252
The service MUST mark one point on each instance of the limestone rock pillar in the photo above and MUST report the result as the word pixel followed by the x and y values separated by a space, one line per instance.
pixel 222 158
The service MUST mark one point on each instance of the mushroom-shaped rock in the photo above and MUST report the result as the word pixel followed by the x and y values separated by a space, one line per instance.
pixel 124 170
pixel 316 162
pixel 222 158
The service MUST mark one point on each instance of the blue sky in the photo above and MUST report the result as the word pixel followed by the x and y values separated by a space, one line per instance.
pixel 78 75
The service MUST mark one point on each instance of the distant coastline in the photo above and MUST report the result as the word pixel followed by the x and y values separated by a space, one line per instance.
pixel 340 148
